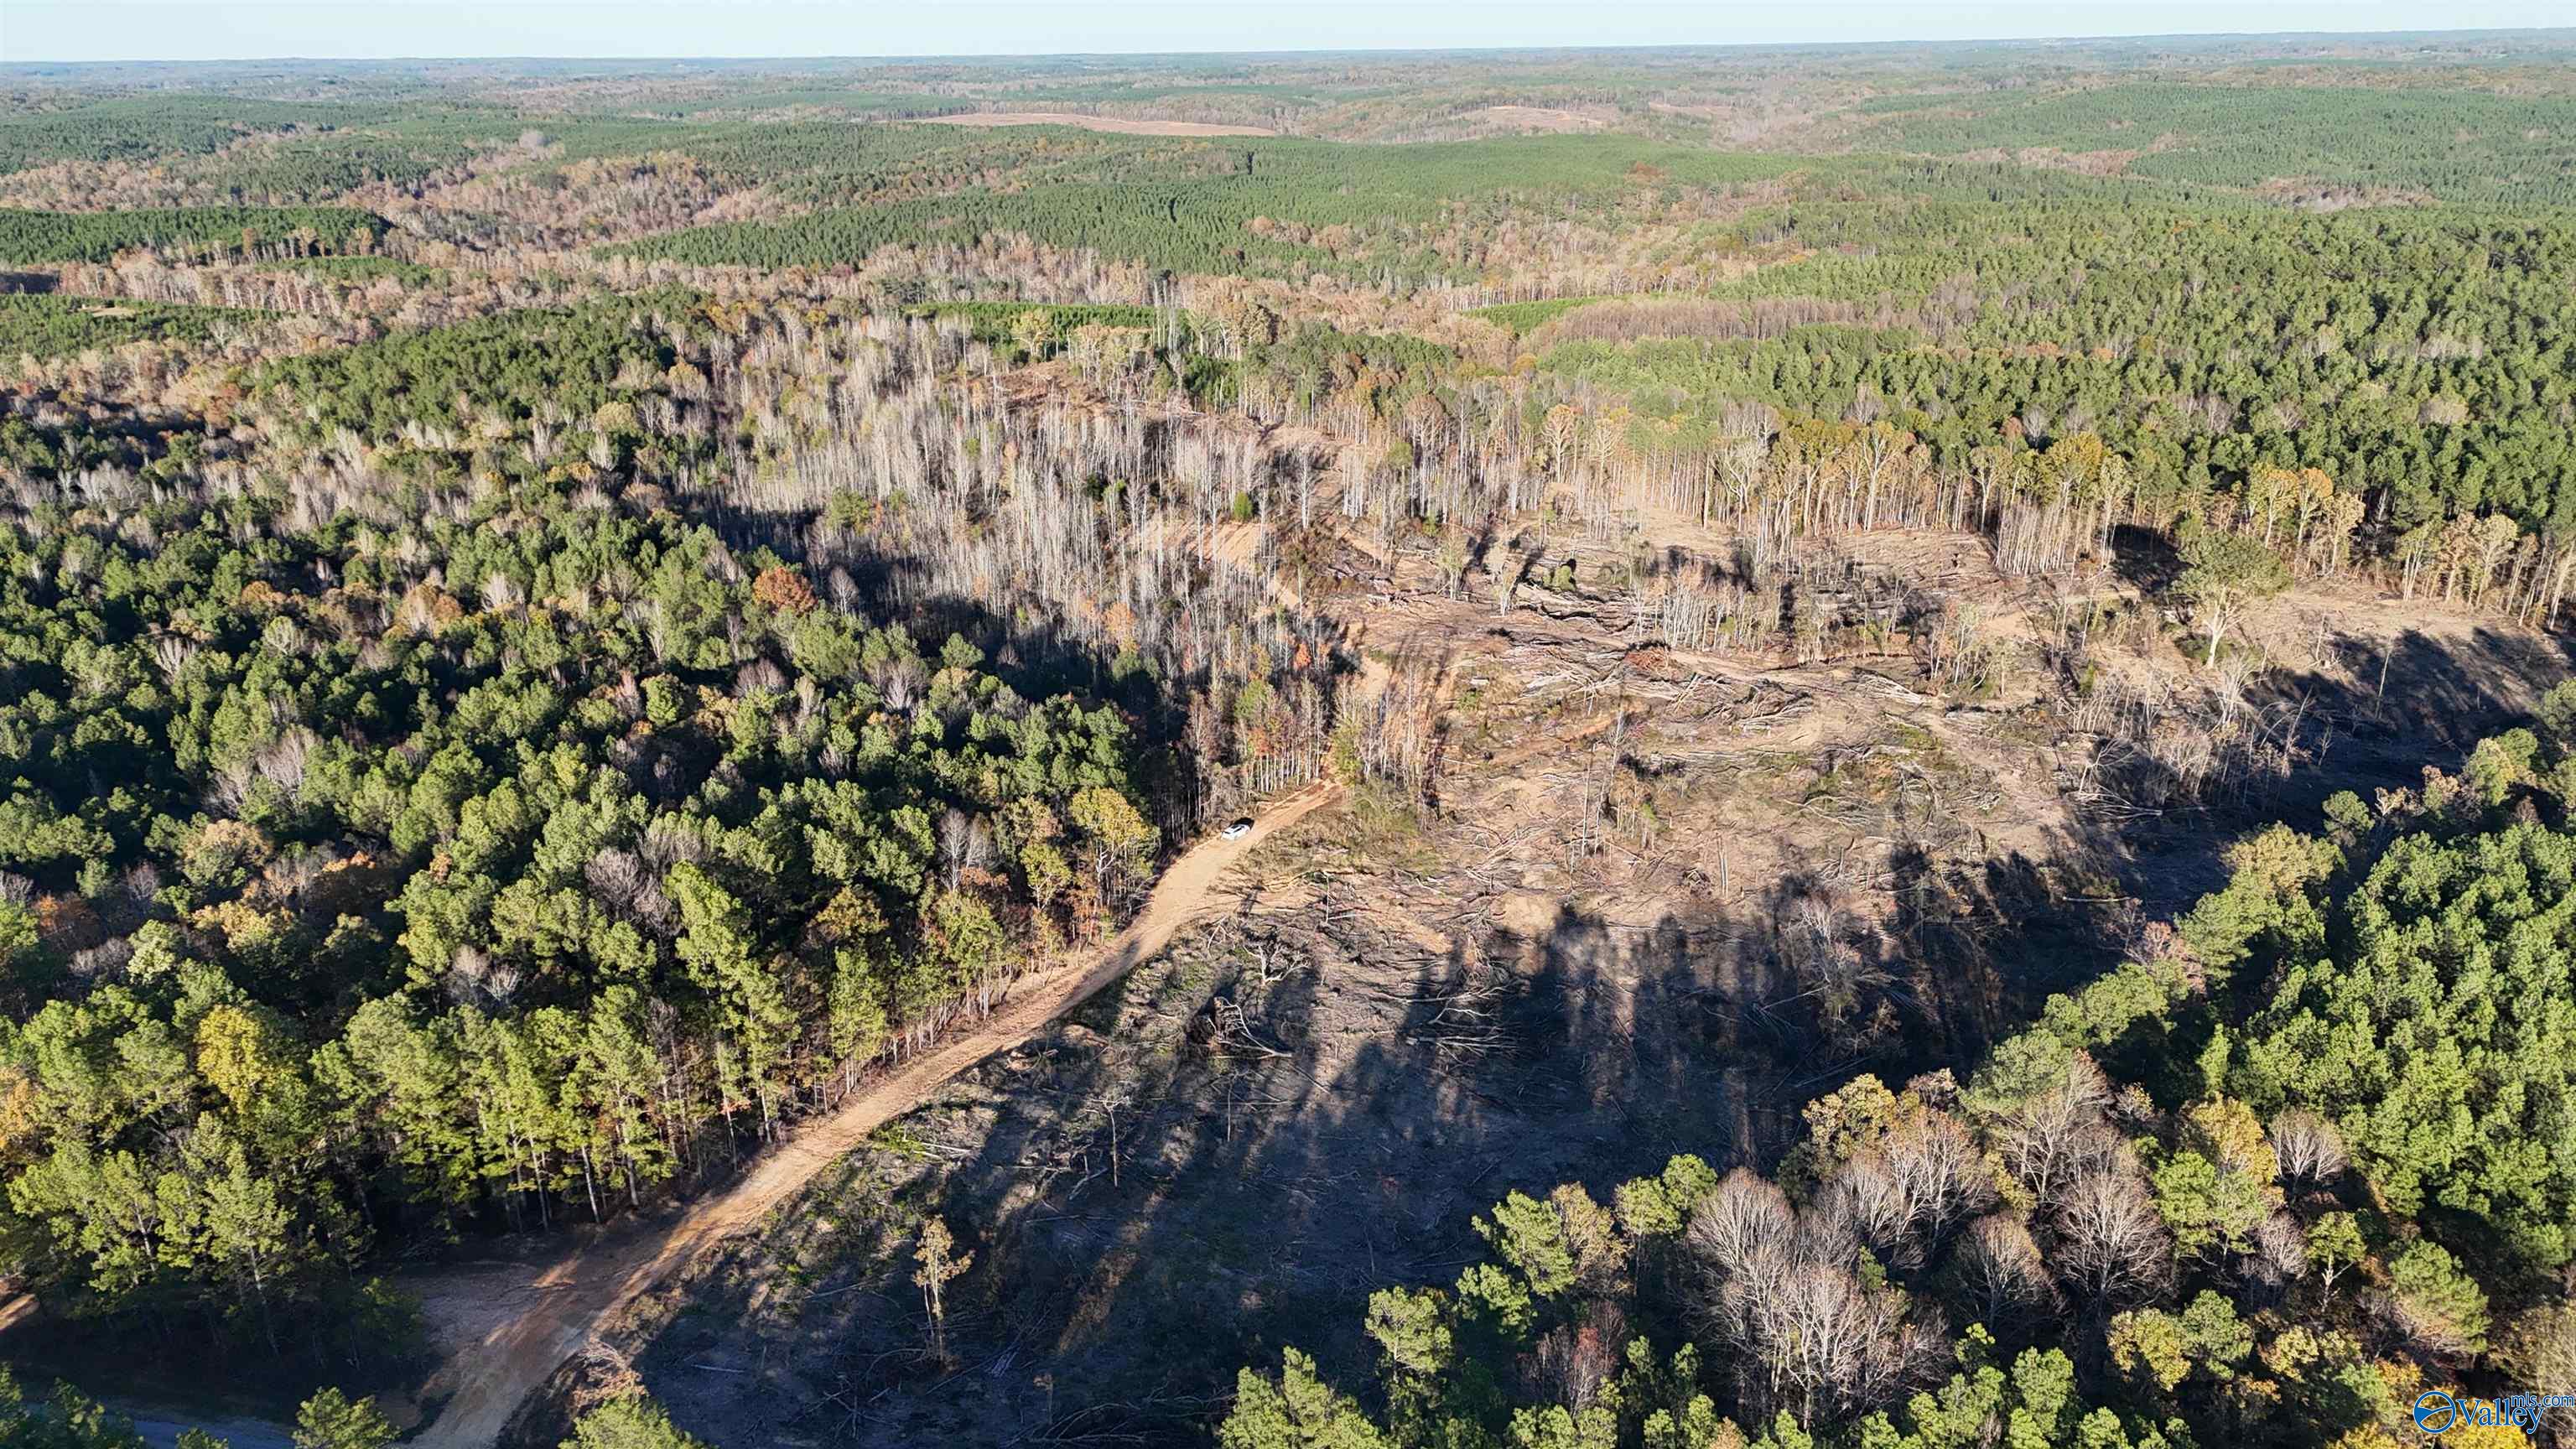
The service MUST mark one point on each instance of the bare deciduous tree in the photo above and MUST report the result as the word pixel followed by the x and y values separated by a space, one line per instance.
pixel 1940 1174
pixel 1744 1216
pixel 616 878
pixel 2000 1271
pixel 2110 1248
pixel 1807 1334
pixel 2310 1150
pixel 1821 1341
pixel 2280 1253
pixel 1864 1199
pixel 2053 1134
pixel 965 842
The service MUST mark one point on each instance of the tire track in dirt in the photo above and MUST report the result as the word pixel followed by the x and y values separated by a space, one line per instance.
pixel 493 1366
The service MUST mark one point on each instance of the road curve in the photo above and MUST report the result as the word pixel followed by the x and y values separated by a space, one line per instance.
pixel 485 1379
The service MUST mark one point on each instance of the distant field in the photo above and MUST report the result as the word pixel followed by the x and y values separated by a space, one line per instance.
pixel 1197 207
pixel 1115 125
pixel 1540 118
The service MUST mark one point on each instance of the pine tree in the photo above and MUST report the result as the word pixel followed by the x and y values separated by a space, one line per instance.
pixel 329 1421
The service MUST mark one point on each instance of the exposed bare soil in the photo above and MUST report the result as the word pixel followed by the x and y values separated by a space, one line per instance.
pixel 1221 1155
pixel 1660 899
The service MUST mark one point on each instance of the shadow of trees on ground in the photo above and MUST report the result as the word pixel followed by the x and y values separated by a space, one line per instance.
pixel 1301 1109
pixel 1228 1152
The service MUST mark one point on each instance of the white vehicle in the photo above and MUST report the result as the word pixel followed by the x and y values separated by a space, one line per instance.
pixel 1239 829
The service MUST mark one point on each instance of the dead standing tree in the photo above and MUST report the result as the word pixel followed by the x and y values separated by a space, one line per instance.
pixel 940 1261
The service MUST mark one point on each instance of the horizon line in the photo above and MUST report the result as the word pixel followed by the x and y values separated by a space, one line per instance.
pixel 12 64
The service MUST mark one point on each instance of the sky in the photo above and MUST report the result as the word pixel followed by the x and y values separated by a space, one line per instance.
pixel 74 30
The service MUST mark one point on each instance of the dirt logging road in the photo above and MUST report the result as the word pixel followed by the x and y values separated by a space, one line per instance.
pixel 493 1364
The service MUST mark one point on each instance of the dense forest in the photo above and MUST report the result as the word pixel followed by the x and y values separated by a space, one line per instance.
pixel 532 855
pixel 558 621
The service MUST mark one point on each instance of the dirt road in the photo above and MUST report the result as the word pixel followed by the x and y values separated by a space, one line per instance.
pixel 493 1365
